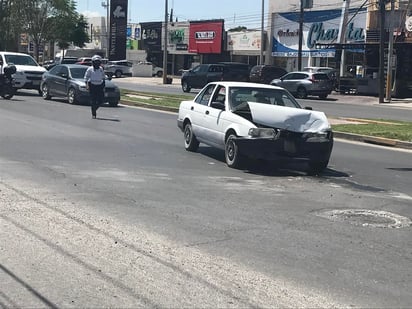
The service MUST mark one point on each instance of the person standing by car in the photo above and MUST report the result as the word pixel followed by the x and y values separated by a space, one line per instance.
pixel 94 78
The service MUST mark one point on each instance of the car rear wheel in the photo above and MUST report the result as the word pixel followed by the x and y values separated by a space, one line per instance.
pixel 232 154
pixel 113 104
pixel 191 142
pixel 118 74
pixel 301 93
pixel 71 96
pixel 159 74
pixel 45 92
pixel 323 96
pixel 185 86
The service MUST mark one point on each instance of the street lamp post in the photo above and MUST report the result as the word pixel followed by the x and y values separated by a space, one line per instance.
pixel 106 5
pixel 165 46
pixel 262 37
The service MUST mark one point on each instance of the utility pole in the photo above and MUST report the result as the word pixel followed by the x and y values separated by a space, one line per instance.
pixel 262 36
pixel 300 36
pixel 342 34
pixel 389 76
pixel 165 45
pixel 382 12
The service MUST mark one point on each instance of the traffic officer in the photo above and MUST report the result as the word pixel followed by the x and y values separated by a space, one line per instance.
pixel 94 78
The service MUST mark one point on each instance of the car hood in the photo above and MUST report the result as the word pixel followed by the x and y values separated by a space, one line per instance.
pixel 288 118
pixel 30 68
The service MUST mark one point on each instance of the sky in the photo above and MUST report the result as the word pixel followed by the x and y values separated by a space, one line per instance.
pixel 234 12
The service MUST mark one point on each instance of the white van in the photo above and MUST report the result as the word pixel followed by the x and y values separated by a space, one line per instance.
pixel 28 71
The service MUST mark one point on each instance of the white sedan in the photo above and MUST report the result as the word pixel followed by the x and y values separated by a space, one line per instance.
pixel 259 121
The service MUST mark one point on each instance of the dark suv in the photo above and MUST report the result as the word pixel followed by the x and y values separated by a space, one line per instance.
pixel 265 73
pixel 236 71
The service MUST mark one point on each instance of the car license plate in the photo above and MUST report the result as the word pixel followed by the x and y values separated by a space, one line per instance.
pixel 290 146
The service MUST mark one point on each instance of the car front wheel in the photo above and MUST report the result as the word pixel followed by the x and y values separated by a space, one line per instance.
pixel 71 96
pixel 301 93
pixel 232 154
pixel 316 167
pixel 118 74
pixel 191 142
pixel 185 86
pixel 45 92
pixel 159 74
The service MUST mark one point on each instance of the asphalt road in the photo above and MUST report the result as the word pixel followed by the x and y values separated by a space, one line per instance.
pixel 114 212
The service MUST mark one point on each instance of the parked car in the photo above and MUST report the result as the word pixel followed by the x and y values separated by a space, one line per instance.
pixel 265 73
pixel 118 68
pixel 202 74
pixel 250 120
pixel 84 61
pixel 302 84
pixel 236 71
pixel 65 60
pixel 67 80
pixel 28 71
pixel 156 71
pixel 331 72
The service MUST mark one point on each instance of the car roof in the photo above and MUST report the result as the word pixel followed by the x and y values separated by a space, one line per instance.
pixel 246 85
pixel 70 65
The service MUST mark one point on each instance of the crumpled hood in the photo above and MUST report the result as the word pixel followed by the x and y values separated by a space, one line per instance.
pixel 289 118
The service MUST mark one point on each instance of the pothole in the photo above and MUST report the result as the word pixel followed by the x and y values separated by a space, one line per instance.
pixel 367 218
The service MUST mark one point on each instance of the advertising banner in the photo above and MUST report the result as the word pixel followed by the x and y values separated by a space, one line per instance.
pixel 118 29
pixel 178 38
pixel 206 37
pixel 244 42
pixel 151 36
pixel 319 27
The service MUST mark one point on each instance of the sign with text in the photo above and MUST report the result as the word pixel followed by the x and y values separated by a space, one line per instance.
pixel 118 29
pixel 206 37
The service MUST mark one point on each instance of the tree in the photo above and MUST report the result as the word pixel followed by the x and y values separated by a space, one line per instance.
pixel 46 20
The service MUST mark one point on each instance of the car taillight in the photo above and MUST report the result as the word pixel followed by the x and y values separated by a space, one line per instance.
pixel 313 80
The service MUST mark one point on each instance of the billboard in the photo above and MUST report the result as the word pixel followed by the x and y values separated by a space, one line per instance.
pixel 319 27
pixel 151 33
pixel 206 37
pixel 118 29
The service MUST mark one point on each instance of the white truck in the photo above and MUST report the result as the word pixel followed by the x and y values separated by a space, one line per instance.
pixel 28 72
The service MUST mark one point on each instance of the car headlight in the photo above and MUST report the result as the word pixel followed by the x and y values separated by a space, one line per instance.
pixel 82 88
pixel 262 132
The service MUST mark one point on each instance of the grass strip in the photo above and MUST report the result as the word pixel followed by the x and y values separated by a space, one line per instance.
pixel 398 130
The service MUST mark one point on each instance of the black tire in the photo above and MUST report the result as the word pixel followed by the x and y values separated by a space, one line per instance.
pixel 317 167
pixel 301 93
pixel 159 74
pixel 191 142
pixel 8 92
pixel 45 92
pixel 71 96
pixel 323 96
pixel 232 155
pixel 185 86
pixel 118 74
pixel 114 104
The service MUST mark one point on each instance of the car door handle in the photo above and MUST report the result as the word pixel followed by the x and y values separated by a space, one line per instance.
pixel 207 112
pixel 192 108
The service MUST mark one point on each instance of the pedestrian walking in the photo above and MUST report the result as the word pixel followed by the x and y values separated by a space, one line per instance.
pixel 94 78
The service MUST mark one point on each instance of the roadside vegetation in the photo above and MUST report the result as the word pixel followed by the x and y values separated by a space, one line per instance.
pixel 371 127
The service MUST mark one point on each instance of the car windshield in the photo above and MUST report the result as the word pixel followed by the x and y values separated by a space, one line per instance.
pixel 78 73
pixel 21 60
pixel 239 95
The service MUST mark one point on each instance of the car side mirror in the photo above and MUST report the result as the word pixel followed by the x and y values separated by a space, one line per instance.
pixel 218 105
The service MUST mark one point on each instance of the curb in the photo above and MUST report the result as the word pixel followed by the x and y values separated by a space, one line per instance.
pixel 349 136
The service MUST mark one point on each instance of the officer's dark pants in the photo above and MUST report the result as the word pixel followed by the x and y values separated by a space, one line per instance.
pixel 96 97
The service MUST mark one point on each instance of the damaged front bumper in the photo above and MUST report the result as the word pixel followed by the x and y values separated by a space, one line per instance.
pixel 286 144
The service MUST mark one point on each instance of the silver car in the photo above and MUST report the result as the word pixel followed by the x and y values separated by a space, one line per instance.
pixel 118 68
pixel 302 84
